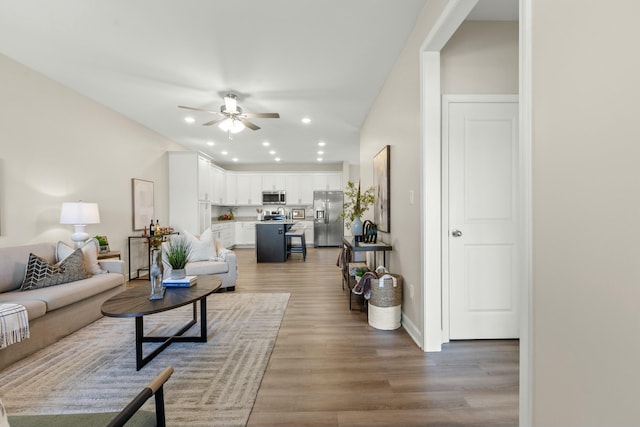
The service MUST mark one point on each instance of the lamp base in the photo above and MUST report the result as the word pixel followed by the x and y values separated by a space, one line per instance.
pixel 80 236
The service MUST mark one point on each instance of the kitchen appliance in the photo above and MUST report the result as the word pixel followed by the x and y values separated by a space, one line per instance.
pixel 274 198
pixel 328 227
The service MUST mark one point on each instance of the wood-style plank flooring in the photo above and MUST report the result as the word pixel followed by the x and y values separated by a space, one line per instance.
pixel 330 368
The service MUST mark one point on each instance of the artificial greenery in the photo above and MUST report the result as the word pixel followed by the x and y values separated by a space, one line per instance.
pixel 356 202
pixel 101 241
pixel 178 250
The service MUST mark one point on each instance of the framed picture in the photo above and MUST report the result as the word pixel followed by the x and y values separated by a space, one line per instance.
pixel 297 213
pixel 142 192
pixel 381 185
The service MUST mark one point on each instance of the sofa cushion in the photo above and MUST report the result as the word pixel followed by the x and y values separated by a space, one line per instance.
pixel 206 267
pixel 90 251
pixel 41 274
pixel 13 263
pixel 35 308
pixel 62 295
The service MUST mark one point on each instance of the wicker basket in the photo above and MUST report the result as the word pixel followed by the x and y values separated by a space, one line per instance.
pixel 384 294
pixel 385 304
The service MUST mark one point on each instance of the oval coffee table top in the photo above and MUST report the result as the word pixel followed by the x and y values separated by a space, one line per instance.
pixel 134 302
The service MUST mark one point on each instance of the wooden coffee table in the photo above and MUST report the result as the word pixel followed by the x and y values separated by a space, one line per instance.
pixel 134 302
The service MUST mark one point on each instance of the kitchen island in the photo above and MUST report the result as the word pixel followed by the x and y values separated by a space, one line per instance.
pixel 271 242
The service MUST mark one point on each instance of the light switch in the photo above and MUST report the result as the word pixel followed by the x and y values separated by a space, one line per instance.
pixel 411 198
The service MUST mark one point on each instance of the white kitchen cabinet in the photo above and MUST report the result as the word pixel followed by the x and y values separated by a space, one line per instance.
pixel 245 233
pixel 187 210
pixel 273 182
pixel 249 189
pixel 230 194
pixel 299 189
pixel 308 232
pixel 225 231
pixel 204 181
pixel 328 181
pixel 218 185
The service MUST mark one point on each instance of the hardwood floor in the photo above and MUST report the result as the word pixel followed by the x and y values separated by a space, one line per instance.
pixel 330 368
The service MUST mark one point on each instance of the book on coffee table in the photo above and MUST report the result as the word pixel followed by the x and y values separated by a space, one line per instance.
pixel 185 282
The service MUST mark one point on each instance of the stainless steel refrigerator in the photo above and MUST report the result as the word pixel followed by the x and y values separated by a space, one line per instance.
pixel 328 227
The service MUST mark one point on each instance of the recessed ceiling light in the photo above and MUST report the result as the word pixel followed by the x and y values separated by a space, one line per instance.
pixel 266 143
pixel 306 120
pixel 277 159
pixel 211 143
pixel 224 153
pixel 321 144
pixel 272 152
pixel 319 159
pixel 189 119
pixel 235 159
pixel 320 152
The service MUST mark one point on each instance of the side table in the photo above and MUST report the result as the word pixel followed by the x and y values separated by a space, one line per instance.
pixel 147 239
pixel 110 254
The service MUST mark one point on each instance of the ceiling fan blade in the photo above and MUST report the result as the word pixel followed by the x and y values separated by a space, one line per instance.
pixel 262 115
pixel 248 124
pixel 214 121
pixel 198 109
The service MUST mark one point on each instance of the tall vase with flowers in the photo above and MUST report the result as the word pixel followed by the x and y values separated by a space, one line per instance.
pixel 355 205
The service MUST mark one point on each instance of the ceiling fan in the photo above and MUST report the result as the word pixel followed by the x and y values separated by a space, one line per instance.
pixel 231 118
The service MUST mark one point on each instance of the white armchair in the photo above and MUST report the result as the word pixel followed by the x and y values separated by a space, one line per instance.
pixel 208 256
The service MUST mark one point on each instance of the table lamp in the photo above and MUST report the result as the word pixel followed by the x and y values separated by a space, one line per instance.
pixel 79 214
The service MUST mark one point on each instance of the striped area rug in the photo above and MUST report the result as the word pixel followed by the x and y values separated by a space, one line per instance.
pixel 214 384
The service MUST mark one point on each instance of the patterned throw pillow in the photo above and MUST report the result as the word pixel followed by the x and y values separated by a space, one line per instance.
pixel 41 274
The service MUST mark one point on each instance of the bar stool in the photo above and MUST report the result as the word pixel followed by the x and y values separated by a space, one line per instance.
pixel 299 247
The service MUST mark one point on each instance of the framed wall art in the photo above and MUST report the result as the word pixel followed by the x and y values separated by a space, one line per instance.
pixel 142 192
pixel 381 185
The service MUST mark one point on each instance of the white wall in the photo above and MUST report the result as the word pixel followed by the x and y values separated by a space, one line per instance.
pixel 586 200
pixel 481 58
pixel 57 145
pixel 394 120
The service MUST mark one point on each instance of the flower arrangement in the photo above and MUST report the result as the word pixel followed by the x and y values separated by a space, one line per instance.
pixel 356 202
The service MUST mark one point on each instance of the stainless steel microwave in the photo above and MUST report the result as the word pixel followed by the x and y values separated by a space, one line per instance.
pixel 274 198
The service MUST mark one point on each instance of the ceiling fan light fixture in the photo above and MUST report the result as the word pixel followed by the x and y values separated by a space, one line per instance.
pixel 231 103
pixel 231 125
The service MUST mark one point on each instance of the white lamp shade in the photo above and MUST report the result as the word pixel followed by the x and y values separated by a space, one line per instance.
pixel 79 213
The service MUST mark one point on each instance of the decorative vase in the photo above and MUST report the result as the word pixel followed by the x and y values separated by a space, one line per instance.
pixel 155 276
pixel 178 273
pixel 356 229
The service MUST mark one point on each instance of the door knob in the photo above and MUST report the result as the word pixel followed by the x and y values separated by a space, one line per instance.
pixel 456 233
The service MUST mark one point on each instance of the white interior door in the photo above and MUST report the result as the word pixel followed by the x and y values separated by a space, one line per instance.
pixel 483 257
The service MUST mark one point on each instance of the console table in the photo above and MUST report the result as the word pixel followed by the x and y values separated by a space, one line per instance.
pixel 348 245
pixel 161 238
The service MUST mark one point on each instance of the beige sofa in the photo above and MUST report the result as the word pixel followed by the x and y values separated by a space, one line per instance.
pixel 53 311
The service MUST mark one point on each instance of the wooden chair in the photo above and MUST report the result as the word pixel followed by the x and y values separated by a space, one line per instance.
pixel 130 415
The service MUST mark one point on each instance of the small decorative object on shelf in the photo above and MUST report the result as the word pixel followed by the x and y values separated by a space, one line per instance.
pixel 155 275
pixel 103 243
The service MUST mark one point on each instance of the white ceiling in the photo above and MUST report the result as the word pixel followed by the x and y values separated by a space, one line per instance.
pixel 142 58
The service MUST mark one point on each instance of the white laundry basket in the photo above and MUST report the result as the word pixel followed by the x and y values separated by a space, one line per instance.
pixel 385 304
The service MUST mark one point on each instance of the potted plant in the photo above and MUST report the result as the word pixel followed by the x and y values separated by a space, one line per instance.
pixel 178 250
pixel 356 204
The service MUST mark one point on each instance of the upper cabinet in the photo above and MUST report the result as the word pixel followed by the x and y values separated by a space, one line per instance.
pixel 249 189
pixel 299 189
pixel 327 181
pixel 230 193
pixel 204 182
pixel 273 181
pixel 218 180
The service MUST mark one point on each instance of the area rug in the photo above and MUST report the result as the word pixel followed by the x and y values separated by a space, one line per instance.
pixel 214 383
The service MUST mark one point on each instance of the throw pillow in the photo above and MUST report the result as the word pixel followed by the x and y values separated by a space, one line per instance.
pixel 41 274
pixel 90 251
pixel 202 248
